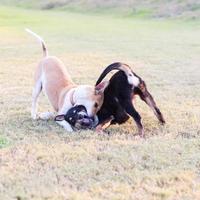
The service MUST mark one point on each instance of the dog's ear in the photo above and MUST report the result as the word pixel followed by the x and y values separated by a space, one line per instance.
pixel 99 89
pixel 59 118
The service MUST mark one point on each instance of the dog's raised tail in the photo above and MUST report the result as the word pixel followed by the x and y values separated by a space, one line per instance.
pixel 45 51
pixel 132 77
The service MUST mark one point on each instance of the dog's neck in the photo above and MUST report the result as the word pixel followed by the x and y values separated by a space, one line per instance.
pixel 64 93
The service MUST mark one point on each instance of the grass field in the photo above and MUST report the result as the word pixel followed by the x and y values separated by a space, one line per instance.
pixel 184 9
pixel 40 160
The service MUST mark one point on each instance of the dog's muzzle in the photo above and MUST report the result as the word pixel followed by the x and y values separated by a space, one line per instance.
pixel 85 120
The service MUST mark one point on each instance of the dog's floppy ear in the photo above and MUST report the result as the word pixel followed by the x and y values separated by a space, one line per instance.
pixel 99 89
pixel 59 118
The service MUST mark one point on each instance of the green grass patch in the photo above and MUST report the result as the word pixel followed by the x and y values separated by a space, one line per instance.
pixel 188 9
pixel 3 142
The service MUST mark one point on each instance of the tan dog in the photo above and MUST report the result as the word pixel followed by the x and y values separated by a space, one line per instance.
pixel 52 76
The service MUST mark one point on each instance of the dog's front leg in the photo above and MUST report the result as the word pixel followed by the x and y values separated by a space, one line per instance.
pixel 46 115
pixel 104 124
pixel 64 123
pixel 136 116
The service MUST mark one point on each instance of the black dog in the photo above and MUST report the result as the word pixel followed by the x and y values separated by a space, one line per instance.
pixel 118 97
pixel 77 116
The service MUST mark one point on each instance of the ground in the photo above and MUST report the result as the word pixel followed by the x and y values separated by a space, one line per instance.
pixel 40 160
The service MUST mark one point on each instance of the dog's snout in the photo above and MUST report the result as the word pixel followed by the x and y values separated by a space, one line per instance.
pixel 85 116
pixel 92 118
pixel 87 122
pixel 81 116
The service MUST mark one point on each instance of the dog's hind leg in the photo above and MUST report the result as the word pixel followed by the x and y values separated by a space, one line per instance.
pixel 136 116
pixel 148 99
pixel 36 91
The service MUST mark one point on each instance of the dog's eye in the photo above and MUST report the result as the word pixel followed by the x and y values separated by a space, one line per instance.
pixel 130 74
pixel 96 105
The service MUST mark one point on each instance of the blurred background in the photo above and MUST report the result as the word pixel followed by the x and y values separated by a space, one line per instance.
pixel 187 9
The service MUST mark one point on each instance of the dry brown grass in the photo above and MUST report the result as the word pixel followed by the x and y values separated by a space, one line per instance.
pixel 39 160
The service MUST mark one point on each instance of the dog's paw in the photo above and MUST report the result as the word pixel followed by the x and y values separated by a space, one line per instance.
pixel 65 125
pixel 33 116
pixel 99 130
pixel 141 133
pixel 68 128
pixel 46 115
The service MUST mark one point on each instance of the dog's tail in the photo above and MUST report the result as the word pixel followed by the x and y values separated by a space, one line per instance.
pixel 45 52
pixel 132 78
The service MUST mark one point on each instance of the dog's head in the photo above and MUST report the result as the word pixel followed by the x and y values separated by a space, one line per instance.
pixel 91 97
pixel 77 116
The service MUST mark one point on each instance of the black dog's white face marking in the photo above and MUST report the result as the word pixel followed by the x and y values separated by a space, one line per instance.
pixel 133 79
pixel 77 116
